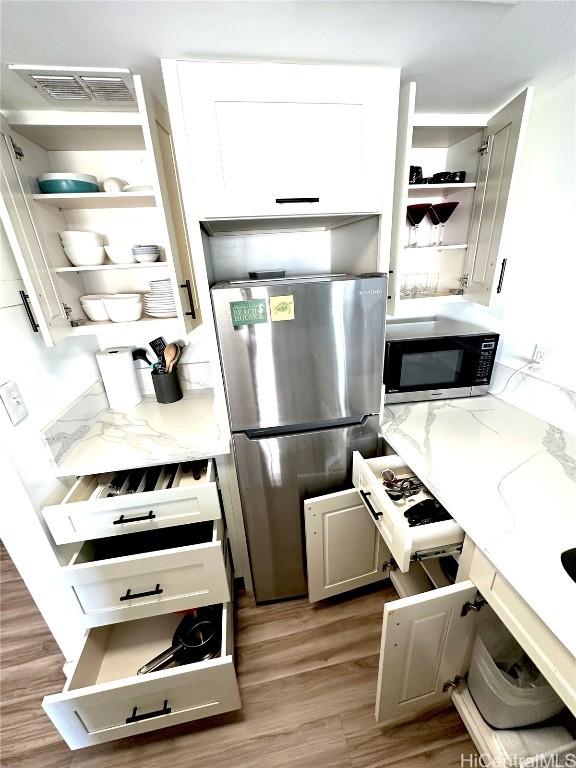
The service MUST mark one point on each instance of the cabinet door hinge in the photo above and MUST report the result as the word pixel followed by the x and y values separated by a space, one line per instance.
pixel 464 281
pixel 478 603
pixel 18 152
pixel 67 310
pixel 485 146
pixel 452 683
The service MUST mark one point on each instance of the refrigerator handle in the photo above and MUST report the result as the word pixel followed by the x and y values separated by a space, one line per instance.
pixel 295 429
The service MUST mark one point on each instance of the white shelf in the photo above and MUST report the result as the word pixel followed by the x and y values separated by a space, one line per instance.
pixel 85 200
pixel 166 325
pixel 100 267
pixel 456 247
pixel 443 295
pixel 429 190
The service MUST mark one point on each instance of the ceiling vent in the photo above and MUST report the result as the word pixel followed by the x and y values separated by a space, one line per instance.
pixel 82 87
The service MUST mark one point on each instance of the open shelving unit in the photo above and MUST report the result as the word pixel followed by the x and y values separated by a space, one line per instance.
pixel 106 267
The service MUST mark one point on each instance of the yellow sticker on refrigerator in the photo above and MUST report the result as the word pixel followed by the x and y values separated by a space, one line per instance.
pixel 281 308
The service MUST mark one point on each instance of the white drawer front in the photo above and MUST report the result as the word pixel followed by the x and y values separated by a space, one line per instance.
pixel 402 539
pixel 81 517
pixel 105 700
pixel 131 587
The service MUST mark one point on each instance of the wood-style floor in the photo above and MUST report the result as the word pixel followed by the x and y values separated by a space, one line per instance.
pixel 308 687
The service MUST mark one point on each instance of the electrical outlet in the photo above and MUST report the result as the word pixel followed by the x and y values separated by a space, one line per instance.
pixel 12 399
pixel 537 356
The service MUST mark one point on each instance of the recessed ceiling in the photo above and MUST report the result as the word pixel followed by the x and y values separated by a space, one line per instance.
pixel 465 56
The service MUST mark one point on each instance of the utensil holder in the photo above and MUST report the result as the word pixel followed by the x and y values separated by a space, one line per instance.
pixel 166 386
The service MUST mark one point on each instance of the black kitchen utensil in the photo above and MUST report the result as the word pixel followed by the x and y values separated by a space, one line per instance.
pixel 441 178
pixel 458 177
pixel 426 512
pixel 196 638
pixel 158 346
pixel 140 354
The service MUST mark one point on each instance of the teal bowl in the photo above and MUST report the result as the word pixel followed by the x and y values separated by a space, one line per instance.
pixel 65 186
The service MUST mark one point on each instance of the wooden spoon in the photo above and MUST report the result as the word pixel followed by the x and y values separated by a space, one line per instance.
pixel 170 355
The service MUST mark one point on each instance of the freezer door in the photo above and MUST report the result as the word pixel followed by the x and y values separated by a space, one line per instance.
pixel 301 352
pixel 275 475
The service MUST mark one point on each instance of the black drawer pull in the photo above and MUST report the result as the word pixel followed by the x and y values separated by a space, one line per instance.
pixel 188 287
pixel 134 718
pixel 282 200
pixel 121 520
pixel 368 503
pixel 501 280
pixel 130 596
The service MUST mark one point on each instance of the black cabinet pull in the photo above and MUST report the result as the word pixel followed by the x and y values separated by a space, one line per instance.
pixel 368 503
pixel 134 718
pixel 121 520
pixel 282 200
pixel 501 280
pixel 130 596
pixel 192 313
pixel 26 301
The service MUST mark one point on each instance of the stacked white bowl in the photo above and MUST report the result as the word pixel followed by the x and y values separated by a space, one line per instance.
pixel 160 301
pixel 93 306
pixel 144 253
pixel 83 249
pixel 120 254
pixel 123 307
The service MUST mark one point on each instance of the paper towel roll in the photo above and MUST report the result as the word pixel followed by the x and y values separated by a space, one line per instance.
pixel 119 377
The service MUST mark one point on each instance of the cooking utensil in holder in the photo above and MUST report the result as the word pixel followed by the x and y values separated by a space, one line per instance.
pixel 166 386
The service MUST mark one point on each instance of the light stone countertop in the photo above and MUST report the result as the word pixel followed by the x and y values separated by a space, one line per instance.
pixel 509 479
pixel 145 435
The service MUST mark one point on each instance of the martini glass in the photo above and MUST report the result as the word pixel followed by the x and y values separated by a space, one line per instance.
pixel 440 213
pixel 415 214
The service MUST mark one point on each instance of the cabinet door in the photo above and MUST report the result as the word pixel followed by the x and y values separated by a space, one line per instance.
pixel 426 642
pixel 158 142
pixel 25 240
pixel 343 548
pixel 498 162
pixel 284 138
pixel 403 145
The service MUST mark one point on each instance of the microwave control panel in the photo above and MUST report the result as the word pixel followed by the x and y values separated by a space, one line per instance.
pixel 487 347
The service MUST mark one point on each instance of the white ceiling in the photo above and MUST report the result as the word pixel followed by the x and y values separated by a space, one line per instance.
pixel 466 56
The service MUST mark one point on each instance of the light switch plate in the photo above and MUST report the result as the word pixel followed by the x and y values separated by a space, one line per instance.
pixel 12 399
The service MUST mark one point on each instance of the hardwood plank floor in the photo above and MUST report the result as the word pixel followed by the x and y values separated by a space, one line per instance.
pixel 308 686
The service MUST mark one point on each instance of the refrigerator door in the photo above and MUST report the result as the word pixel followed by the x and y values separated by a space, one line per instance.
pixel 308 350
pixel 275 475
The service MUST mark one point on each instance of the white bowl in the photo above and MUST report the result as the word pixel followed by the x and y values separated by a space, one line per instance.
pixel 73 237
pixel 119 254
pixel 146 257
pixel 95 309
pixel 123 312
pixel 127 298
pixel 85 256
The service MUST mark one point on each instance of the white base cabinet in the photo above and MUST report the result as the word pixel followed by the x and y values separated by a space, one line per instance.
pixel 104 698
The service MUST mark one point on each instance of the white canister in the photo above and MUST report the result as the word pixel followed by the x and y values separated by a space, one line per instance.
pixel 119 378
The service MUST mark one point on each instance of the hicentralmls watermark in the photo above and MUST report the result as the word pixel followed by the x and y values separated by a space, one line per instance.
pixel 540 761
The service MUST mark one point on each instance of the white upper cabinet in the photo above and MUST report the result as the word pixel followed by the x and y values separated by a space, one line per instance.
pixel 133 144
pixel 504 133
pixel 465 263
pixel 278 139
pixel 343 548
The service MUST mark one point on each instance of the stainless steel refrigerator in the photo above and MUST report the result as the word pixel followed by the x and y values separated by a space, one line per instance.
pixel 302 361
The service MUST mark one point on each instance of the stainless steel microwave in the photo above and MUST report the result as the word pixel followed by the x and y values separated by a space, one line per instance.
pixel 437 359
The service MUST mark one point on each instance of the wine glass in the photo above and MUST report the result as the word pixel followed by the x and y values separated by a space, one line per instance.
pixel 415 214
pixel 439 214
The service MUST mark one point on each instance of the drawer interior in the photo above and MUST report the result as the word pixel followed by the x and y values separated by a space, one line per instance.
pixel 117 651
pixel 142 480
pixel 144 542
pixel 425 575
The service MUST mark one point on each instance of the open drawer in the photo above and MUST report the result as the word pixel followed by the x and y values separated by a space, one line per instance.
pixel 405 542
pixel 149 573
pixel 104 699
pixel 180 493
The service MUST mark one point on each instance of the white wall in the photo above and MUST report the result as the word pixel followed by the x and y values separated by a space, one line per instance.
pixel 538 302
pixel 49 379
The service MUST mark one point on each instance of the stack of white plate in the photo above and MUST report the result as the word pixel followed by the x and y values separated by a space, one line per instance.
pixel 160 301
